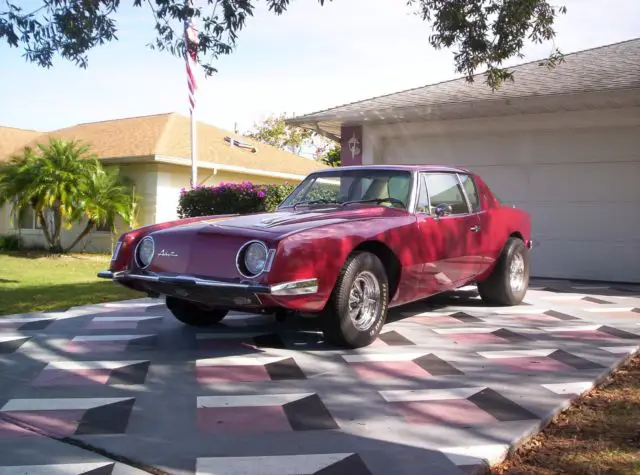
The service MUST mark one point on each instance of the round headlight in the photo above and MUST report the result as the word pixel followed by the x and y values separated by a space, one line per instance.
pixel 145 251
pixel 255 258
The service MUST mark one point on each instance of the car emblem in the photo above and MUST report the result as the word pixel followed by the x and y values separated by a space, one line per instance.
pixel 164 253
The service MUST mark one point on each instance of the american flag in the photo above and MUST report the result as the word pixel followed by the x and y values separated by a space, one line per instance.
pixel 191 54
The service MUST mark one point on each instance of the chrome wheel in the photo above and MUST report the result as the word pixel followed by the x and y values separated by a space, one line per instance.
pixel 364 300
pixel 516 273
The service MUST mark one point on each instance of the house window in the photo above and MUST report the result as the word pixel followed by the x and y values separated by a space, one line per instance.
pixel 28 219
pixel 472 192
pixel 444 188
pixel 105 227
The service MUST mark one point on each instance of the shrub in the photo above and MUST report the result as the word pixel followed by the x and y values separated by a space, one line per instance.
pixel 231 198
pixel 11 242
pixel 275 194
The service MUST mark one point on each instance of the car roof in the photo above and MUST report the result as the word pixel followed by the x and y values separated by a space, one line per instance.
pixel 423 168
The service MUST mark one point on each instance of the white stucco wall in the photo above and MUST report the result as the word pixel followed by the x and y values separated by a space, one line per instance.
pixel 171 178
pixel 576 173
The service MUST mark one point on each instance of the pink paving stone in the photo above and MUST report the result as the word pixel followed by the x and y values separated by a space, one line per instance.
pixel 95 346
pixel 533 364
pixel 626 314
pixel 377 343
pixel 476 338
pixel 534 317
pixel 454 411
pixel 8 430
pixel 586 335
pixel 78 377
pixel 61 423
pixel 389 369
pixel 113 325
pixel 223 420
pixel 215 374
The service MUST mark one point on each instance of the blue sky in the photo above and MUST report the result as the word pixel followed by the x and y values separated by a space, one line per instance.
pixel 310 58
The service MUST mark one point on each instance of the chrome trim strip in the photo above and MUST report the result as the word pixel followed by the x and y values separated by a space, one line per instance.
pixel 270 257
pixel 116 251
pixel 297 287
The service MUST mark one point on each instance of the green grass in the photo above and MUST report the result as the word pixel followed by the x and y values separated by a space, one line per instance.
pixel 33 281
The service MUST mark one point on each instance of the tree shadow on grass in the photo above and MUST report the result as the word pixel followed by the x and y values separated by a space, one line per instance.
pixel 60 297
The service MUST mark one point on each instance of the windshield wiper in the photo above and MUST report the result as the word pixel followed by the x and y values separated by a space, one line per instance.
pixel 314 202
pixel 377 200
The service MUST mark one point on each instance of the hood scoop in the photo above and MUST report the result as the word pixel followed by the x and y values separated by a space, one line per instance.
pixel 273 220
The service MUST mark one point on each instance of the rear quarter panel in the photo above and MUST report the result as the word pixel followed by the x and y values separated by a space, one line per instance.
pixel 499 222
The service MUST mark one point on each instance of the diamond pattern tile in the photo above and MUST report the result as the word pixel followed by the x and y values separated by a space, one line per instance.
pixel 448 386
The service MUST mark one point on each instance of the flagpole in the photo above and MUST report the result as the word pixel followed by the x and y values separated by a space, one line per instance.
pixel 191 42
pixel 194 156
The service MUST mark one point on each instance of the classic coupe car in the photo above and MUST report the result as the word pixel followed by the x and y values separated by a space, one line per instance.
pixel 346 245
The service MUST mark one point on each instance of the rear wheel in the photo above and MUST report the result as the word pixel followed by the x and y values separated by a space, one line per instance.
pixel 194 314
pixel 357 309
pixel 508 283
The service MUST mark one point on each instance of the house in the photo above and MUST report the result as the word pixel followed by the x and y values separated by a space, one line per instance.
pixel 562 143
pixel 154 151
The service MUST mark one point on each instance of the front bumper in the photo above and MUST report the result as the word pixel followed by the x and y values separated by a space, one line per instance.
pixel 179 284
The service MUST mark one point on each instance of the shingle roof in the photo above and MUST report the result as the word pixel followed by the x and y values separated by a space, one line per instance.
pixel 168 135
pixel 12 139
pixel 611 67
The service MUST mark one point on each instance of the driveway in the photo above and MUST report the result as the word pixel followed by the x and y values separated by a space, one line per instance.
pixel 105 389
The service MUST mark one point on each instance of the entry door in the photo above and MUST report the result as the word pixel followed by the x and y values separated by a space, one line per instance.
pixel 451 241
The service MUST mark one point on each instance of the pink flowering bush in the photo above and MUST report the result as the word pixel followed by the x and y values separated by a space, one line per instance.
pixel 231 198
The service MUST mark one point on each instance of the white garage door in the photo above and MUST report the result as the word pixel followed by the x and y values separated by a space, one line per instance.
pixel 582 188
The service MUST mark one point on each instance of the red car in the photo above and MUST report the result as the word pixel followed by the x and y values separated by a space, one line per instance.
pixel 346 245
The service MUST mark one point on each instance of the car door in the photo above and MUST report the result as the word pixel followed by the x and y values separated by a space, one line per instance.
pixel 449 238
pixel 482 239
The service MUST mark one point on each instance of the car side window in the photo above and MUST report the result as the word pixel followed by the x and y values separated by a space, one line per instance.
pixel 444 188
pixel 423 197
pixel 472 191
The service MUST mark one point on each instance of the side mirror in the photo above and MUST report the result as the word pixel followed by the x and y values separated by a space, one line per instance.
pixel 443 209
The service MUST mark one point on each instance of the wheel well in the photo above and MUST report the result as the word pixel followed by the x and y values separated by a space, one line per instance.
pixel 516 234
pixel 389 260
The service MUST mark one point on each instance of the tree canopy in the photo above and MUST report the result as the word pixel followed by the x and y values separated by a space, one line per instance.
pixel 483 32
pixel 274 131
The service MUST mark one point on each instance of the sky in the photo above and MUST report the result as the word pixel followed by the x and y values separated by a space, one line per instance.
pixel 310 58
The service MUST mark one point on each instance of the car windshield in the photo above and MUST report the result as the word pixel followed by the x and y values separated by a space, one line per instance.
pixel 345 187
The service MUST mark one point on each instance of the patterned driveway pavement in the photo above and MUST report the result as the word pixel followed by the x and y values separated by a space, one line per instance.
pixel 107 388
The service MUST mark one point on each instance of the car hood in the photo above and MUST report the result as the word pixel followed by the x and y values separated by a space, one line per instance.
pixel 287 221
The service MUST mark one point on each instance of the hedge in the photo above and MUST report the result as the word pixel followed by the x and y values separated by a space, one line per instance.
pixel 11 242
pixel 231 198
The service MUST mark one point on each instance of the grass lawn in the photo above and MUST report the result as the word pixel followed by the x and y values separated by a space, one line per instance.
pixel 599 434
pixel 31 281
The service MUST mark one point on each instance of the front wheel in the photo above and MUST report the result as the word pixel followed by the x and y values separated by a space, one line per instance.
pixel 509 281
pixel 194 314
pixel 357 309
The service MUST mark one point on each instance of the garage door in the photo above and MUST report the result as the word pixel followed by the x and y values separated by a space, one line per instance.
pixel 582 188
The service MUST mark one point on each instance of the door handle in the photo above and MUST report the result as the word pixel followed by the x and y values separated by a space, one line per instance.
pixel 475 229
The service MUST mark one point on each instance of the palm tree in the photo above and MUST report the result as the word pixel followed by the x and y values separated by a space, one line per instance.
pixel 106 196
pixel 64 182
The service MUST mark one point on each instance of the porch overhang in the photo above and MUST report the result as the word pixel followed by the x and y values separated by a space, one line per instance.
pixel 330 122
